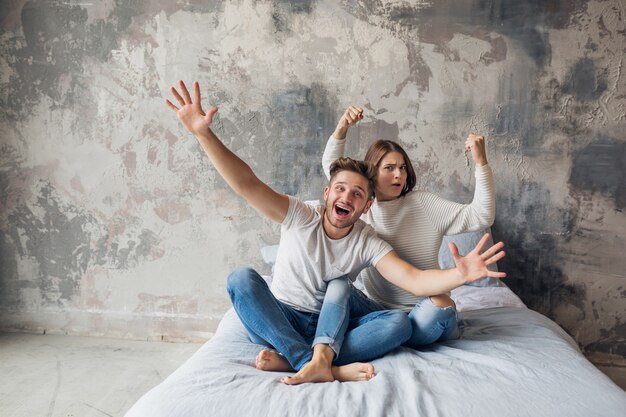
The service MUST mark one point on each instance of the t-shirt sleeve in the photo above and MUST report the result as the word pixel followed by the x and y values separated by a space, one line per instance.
pixel 298 214
pixel 376 247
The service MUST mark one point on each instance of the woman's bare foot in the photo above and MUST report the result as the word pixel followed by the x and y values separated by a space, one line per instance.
pixel 354 372
pixel 268 360
pixel 314 371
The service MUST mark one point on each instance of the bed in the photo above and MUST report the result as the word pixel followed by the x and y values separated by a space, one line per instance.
pixel 510 361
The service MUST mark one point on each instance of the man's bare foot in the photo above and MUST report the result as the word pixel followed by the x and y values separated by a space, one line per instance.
pixel 354 372
pixel 268 360
pixel 314 371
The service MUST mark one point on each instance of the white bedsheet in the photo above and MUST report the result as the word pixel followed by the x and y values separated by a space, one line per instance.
pixel 510 361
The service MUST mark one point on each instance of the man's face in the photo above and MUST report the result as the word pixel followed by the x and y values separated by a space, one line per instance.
pixel 346 199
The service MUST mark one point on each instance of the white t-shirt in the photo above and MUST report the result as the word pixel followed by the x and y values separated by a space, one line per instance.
pixel 307 259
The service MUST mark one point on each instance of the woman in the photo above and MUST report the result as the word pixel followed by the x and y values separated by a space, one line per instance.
pixel 414 223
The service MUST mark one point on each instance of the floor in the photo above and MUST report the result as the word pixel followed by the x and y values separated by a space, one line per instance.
pixel 72 376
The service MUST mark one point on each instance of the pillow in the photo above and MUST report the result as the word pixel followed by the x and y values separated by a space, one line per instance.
pixel 466 242
pixel 268 253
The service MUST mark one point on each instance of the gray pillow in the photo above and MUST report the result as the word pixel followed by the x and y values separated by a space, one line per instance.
pixel 466 242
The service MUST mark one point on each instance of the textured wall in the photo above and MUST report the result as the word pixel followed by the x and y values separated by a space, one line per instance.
pixel 113 222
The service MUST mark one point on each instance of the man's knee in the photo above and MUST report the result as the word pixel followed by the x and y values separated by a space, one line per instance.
pixel 241 279
pixel 337 291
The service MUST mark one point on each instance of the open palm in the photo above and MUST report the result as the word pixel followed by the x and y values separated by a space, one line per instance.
pixel 190 113
pixel 473 266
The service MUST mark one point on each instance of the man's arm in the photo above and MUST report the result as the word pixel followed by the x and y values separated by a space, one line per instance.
pixel 237 173
pixel 470 267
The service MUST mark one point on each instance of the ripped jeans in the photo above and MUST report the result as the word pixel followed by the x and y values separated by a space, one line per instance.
pixel 429 322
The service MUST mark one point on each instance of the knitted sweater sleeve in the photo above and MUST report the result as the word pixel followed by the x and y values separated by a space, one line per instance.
pixel 334 150
pixel 452 218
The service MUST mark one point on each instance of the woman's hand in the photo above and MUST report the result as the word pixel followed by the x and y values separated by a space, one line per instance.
pixel 476 145
pixel 351 116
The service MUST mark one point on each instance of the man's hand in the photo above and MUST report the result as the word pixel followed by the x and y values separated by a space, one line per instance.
pixel 476 145
pixel 190 113
pixel 237 174
pixel 351 116
pixel 473 266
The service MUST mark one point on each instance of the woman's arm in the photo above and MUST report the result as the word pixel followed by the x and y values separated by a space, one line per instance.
pixel 337 142
pixel 452 218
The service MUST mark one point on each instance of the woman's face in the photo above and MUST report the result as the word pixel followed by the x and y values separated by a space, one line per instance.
pixel 391 177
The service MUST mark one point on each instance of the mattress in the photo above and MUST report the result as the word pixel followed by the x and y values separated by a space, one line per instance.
pixel 510 361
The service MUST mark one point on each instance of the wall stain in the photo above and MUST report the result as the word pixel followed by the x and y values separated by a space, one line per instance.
pixel 11 283
pixel 57 40
pixel 120 248
pixel 601 166
pixel 525 22
pixel 612 341
pixel 56 240
pixel 307 116
pixel 585 81
pixel 531 230
pixel 283 12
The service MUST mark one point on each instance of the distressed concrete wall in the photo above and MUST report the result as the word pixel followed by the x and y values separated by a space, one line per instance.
pixel 113 222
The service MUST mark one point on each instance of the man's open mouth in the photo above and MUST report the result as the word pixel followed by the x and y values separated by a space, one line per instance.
pixel 342 210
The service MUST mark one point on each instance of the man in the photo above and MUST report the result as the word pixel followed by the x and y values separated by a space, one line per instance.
pixel 319 244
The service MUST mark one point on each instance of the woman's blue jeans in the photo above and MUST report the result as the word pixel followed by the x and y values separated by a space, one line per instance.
pixel 429 322
pixel 293 333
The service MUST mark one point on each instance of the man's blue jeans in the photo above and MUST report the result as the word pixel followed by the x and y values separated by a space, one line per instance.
pixel 292 332
pixel 429 323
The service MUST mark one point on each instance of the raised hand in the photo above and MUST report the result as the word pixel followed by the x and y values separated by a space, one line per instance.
pixel 350 117
pixel 190 112
pixel 476 145
pixel 473 266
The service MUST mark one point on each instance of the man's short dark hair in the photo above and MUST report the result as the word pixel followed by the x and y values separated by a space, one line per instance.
pixel 365 169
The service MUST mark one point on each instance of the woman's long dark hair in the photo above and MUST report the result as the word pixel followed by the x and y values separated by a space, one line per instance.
pixel 377 152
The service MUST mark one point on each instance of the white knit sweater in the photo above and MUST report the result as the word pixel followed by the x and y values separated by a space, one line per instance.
pixel 415 224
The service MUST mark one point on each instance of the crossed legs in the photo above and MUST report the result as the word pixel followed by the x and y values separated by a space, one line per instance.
pixel 274 324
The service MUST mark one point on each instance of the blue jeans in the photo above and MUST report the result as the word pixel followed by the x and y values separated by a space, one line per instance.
pixel 429 323
pixel 292 332
pixel 334 317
